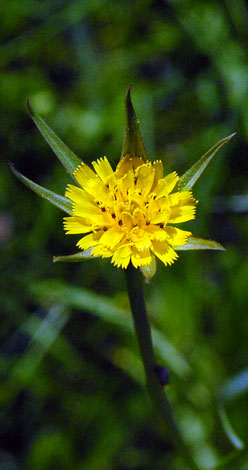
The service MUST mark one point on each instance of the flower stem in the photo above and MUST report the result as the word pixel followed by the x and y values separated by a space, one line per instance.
pixel 134 281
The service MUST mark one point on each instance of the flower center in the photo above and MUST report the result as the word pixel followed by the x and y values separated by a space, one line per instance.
pixel 132 210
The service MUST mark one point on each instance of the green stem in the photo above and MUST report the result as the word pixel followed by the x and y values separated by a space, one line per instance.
pixel 134 281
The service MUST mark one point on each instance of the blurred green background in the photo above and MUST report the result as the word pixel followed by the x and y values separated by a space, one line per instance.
pixel 72 386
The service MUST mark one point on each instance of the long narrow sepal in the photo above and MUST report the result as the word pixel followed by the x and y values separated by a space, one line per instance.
pixel 133 143
pixel 76 258
pixel 59 201
pixel 199 244
pixel 68 159
pixel 191 176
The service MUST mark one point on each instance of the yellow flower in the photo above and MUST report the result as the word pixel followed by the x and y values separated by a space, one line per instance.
pixel 126 214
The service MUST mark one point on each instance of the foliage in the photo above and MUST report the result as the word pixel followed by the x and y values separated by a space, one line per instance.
pixel 72 390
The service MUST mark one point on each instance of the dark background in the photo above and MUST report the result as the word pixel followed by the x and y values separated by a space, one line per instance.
pixel 72 388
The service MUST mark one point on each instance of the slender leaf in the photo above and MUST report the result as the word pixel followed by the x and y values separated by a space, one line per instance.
pixel 64 154
pixel 231 434
pixel 109 311
pixel 133 143
pixel 76 258
pixel 236 386
pixel 199 244
pixel 59 201
pixel 43 334
pixel 191 176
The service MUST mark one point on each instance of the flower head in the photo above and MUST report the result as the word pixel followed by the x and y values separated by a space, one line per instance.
pixel 127 213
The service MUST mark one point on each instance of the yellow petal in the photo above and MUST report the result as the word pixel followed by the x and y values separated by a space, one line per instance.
pixel 89 240
pixel 91 218
pixel 81 199
pixel 139 217
pixel 164 252
pixel 85 206
pixel 126 182
pixel 156 233
pixel 182 198
pixel 74 225
pixel 112 237
pixel 153 208
pixel 177 236
pixel 121 257
pixel 124 165
pixel 140 238
pixel 127 163
pixel 166 184
pixel 161 217
pixel 103 251
pixel 83 174
pixel 181 214
pixel 159 170
pixel 103 168
pixel 145 177
pixel 140 258
pixel 99 191
pixel 182 207
pixel 127 220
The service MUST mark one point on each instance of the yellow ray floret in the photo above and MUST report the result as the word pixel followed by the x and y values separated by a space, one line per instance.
pixel 126 213
pixel 103 169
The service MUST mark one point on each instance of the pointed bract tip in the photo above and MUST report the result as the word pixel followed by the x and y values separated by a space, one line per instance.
pixel 29 108
pixel 131 119
pixel 221 248
pixel 133 143
pixel 128 91
pixel 12 168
